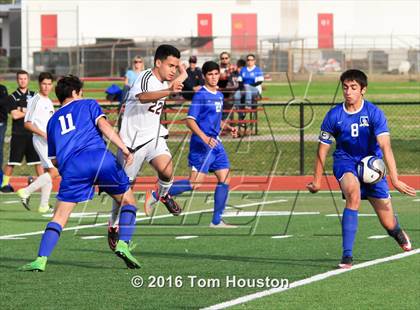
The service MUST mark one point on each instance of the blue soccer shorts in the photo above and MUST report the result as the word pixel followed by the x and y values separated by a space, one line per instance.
pixel 83 171
pixel 379 190
pixel 204 159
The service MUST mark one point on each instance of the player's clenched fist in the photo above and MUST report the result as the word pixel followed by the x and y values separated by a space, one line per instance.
pixel 176 86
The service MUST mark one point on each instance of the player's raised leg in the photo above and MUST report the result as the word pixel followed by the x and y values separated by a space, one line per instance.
pixel 51 235
pixel 383 208
pixel 350 187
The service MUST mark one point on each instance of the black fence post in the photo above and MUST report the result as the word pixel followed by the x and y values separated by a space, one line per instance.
pixel 302 138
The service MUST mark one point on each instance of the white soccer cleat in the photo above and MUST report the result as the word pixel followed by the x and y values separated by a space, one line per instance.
pixel 149 203
pixel 43 208
pixel 222 224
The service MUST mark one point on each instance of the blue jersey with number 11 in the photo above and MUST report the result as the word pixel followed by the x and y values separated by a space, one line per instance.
pixel 354 132
pixel 72 129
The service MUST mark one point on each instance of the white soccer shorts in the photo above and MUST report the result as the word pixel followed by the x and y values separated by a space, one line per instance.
pixel 41 147
pixel 148 153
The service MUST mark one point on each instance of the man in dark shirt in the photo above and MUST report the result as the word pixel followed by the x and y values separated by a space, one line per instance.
pixel 3 119
pixel 194 80
pixel 21 142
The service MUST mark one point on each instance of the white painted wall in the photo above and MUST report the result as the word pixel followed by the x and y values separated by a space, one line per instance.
pixel 81 21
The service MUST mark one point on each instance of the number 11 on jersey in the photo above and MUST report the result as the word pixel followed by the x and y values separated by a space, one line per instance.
pixel 66 128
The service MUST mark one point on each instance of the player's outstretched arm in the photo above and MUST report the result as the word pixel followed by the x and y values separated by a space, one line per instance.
pixel 384 142
pixel 192 124
pixel 112 136
pixel 321 156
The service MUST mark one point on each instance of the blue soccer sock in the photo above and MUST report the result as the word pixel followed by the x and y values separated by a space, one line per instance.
pixel 349 229
pixel 49 238
pixel 127 223
pixel 220 198
pixel 179 187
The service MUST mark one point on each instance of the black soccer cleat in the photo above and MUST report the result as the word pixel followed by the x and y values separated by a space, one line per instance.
pixel 113 237
pixel 403 241
pixel 171 205
pixel 7 189
pixel 346 262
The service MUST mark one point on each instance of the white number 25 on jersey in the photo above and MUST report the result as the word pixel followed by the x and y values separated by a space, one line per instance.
pixel 68 126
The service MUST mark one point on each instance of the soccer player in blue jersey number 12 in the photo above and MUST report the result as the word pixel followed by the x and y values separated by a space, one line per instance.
pixel 359 129
pixel 75 142
pixel 206 149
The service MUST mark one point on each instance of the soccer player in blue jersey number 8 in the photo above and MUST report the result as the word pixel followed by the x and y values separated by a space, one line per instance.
pixel 206 149
pixel 359 129
pixel 75 142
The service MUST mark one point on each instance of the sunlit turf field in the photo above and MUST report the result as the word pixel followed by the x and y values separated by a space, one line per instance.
pixel 83 273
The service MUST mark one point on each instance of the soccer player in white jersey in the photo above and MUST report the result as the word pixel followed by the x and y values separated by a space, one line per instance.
pixel 142 132
pixel 40 110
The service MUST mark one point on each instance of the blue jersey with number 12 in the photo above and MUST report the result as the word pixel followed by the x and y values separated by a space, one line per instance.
pixel 354 132
pixel 72 129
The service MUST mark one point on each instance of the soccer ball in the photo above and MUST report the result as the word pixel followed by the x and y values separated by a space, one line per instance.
pixel 371 169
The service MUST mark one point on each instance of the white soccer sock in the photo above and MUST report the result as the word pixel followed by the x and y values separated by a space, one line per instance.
pixel 42 180
pixel 163 187
pixel 115 214
pixel 45 193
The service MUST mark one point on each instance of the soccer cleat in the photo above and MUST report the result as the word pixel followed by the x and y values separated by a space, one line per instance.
pixel 113 237
pixel 222 224
pixel 24 198
pixel 403 241
pixel 171 205
pixel 122 250
pixel 346 262
pixel 37 265
pixel 7 189
pixel 43 208
pixel 150 202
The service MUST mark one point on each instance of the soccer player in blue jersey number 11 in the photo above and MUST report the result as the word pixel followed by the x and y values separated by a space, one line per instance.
pixel 75 142
pixel 206 149
pixel 359 129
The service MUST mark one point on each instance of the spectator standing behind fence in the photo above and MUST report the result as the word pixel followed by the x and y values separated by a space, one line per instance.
pixel 132 74
pixel 3 126
pixel 194 80
pixel 3 119
pixel 250 79
pixel 21 143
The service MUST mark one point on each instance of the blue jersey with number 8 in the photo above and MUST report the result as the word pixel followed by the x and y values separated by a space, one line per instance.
pixel 354 132
pixel 73 129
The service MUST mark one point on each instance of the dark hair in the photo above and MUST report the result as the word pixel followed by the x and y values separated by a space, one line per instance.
pixel 252 55
pixel 45 76
pixel 66 85
pixel 19 72
pixel 355 75
pixel 165 50
pixel 210 66
pixel 241 63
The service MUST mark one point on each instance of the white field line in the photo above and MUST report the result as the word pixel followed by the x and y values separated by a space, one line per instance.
pixel 40 232
pixel 309 280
